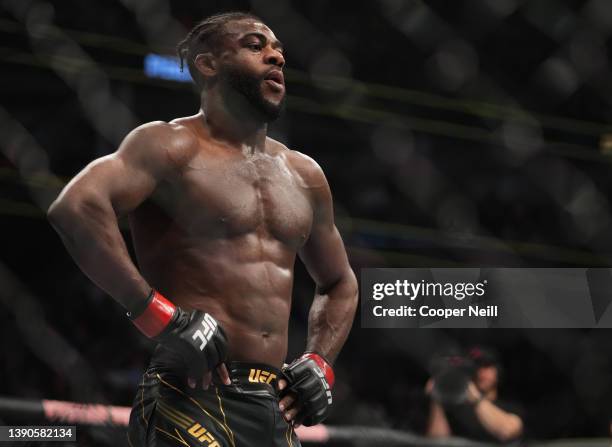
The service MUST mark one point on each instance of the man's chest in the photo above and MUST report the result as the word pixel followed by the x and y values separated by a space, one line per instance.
pixel 232 197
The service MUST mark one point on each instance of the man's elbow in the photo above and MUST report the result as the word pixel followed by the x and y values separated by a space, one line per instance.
pixel 344 285
pixel 353 285
pixel 62 212
pixel 56 213
pixel 512 430
pixel 350 287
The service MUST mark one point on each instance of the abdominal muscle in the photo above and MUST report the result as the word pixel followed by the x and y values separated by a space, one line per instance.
pixel 245 283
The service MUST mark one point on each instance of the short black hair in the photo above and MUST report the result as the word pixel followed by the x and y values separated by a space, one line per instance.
pixel 206 36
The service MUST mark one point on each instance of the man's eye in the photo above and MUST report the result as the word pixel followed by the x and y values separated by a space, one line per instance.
pixel 254 46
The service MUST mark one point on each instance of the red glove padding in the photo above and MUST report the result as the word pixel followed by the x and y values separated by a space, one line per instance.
pixel 195 336
pixel 156 315
pixel 311 378
pixel 326 368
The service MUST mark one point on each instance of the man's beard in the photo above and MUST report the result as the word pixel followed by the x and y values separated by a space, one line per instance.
pixel 249 86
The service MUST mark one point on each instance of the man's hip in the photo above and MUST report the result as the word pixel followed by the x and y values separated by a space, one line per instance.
pixel 168 413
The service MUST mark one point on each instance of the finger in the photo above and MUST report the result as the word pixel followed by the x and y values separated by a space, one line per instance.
pixel 191 382
pixel 224 374
pixel 290 414
pixel 429 386
pixel 206 380
pixel 281 384
pixel 286 402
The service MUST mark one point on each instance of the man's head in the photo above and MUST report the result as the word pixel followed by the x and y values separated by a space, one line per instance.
pixel 487 368
pixel 238 54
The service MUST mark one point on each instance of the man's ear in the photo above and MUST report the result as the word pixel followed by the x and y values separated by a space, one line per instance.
pixel 206 64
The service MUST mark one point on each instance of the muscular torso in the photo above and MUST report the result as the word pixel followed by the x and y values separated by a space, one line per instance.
pixel 221 234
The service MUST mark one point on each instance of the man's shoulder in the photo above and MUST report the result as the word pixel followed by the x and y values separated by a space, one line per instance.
pixel 167 141
pixel 308 170
pixel 176 133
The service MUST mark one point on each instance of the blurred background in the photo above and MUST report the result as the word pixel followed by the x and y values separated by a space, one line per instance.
pixel 453 133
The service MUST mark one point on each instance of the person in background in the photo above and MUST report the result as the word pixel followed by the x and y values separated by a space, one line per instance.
pixel 465 401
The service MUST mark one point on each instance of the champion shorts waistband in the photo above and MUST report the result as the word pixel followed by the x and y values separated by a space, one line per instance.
pixel 254 376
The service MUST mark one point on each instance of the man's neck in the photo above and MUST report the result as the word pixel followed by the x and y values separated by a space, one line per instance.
pixel 238 125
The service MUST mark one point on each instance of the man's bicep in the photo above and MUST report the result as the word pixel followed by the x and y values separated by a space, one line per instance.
pixel 324 255
pixel 126 185
pixel 123 179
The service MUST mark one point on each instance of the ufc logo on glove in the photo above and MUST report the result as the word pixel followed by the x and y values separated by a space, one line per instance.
pixel 209 324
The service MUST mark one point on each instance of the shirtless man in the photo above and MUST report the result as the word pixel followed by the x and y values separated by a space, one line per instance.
pixel 218 212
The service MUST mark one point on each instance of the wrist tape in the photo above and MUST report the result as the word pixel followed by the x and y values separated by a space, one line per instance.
pixel 156 315
pixel 324 365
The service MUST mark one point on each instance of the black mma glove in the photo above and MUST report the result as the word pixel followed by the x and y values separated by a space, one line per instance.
pixel 311 378
pixel 195 336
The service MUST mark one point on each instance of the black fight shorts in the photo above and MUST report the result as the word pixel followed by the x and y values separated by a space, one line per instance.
pixel 244 414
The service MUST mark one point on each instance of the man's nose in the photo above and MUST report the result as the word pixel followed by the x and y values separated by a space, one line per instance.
pixel 275 57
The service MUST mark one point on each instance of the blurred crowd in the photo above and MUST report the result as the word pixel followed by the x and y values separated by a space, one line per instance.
pixel 452 133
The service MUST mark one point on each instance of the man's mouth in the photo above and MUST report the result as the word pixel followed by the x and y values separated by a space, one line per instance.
pixel 275 78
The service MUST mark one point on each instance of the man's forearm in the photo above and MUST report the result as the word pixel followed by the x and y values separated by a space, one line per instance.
pixel 437 426
pixel 331 316
pixel 91 235
pixel 501 424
